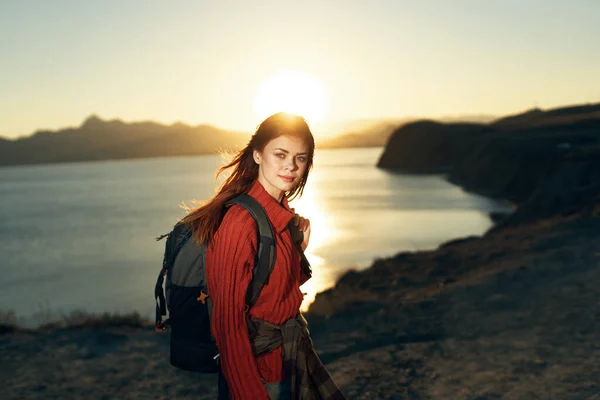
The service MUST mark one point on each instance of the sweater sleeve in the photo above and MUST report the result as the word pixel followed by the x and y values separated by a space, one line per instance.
pixel 230 259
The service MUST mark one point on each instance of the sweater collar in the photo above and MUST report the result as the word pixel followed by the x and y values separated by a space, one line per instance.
pixel 279 214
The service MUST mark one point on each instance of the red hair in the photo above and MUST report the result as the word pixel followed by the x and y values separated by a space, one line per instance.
pixel 205 219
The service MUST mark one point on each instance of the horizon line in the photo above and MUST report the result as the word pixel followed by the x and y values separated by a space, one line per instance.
pixel 373 119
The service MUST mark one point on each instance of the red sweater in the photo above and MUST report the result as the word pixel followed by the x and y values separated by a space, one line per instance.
pixel 229 264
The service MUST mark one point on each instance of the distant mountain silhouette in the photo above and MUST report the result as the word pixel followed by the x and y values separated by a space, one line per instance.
pixel 376 132
pixel 537 117
pixel 376 135
pixel 97 139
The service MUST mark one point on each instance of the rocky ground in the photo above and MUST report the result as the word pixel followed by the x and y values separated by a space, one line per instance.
pixel 515 315
pixel 512 315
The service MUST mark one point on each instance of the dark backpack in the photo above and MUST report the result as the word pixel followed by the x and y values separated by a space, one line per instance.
pixel 192 347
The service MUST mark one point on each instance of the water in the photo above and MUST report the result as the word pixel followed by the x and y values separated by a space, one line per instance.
pixel 81 236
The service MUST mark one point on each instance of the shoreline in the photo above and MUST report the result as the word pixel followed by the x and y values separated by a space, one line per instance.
pixel 497 316
pixel 359 255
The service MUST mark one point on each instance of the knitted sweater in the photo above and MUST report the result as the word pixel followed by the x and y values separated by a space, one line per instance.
pixel 229 264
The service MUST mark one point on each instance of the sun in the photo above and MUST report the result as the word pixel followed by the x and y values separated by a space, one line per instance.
pixel 294 92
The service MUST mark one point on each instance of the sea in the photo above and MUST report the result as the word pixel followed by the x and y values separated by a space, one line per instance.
pixel 82 236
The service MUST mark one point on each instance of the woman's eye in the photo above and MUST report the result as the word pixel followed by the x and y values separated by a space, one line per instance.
pixel 302 159
pixel 280 155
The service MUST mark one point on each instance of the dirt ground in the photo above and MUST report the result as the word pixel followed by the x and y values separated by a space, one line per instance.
pixel 512 315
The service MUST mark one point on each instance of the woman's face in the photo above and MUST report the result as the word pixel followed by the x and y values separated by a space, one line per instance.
pixel 281 164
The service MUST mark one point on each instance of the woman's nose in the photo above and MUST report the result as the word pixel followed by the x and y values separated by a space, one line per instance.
pixel 290 164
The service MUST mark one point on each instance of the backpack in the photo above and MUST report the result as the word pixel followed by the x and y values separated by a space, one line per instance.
pixel 192 347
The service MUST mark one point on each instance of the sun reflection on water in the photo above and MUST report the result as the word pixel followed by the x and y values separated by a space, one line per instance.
pixel 323 232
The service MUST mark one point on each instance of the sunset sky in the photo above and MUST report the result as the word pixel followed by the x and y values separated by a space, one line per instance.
pixel 217 62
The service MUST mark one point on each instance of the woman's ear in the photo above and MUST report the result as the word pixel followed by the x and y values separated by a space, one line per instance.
pixel 256 156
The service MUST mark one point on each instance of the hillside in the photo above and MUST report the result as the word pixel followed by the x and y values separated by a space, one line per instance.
pixel 97 139
pixel 561 115
pixel 376 135
pixel 503 159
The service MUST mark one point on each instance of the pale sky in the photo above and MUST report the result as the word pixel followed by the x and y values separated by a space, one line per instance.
pixel 205 61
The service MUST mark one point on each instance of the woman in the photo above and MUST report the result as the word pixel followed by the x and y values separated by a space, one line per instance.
pixel 272 168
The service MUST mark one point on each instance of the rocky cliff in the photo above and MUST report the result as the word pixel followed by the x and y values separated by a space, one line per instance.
pixel 544 162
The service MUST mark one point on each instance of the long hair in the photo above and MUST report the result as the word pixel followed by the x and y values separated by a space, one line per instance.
pixel 205 219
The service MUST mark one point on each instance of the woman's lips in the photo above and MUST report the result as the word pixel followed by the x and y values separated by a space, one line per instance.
pixel 289 179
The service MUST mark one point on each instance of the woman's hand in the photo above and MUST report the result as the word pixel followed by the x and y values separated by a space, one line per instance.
pixel 303 225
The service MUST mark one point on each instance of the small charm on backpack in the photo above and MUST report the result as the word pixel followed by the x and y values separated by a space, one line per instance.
pixel 202 297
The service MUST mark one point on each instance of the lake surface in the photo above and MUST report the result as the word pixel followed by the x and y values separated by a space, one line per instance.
pixel 82 236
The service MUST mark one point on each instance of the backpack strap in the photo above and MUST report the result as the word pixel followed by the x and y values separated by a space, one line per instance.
pixel 297 239
pixel 172 247
pixel 265 254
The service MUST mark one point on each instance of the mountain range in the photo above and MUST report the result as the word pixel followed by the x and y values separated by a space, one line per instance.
pixel 97 139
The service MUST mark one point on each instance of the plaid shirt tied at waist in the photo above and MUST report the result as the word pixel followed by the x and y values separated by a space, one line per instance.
pixel 302 368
